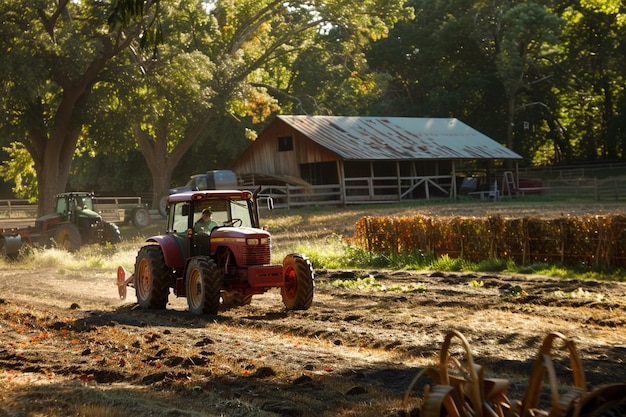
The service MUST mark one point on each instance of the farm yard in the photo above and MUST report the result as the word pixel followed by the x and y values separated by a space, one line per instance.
pixel 70 346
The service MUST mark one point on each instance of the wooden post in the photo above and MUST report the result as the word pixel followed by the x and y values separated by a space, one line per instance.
pixel 453 182
pixel 399 181
pixel 342 182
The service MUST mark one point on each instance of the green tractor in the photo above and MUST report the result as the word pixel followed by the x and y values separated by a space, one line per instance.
pixel 73 224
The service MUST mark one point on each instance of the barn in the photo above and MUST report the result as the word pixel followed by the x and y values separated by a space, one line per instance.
pixel 345 160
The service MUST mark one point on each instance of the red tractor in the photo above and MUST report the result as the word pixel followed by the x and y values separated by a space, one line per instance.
pixel 226 265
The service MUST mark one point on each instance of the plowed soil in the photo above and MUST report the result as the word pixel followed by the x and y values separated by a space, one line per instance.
pixel 69 346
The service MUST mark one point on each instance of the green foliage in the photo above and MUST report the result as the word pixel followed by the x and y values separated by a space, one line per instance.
pixel 205 76
pixel 493 265
pixel 446 263
pixel 371 284
pixel 19 169
pixel 514 291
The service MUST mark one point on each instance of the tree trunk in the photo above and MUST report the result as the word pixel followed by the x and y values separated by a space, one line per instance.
pixel 509 128
pixel 52 156
pixel 162 163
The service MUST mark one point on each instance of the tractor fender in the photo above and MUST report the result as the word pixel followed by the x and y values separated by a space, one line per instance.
pixel 172 250
pixel 10 245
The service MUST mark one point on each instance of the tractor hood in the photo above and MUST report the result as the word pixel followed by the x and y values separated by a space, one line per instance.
pixel 234 234
pixel 89 213
pixel 48 217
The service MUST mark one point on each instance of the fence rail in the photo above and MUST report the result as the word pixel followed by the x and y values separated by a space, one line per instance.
pixel 17 208
pixel 296 196
pixel 368 190
pixel 358 190
pixel 110 208
pixel 592 189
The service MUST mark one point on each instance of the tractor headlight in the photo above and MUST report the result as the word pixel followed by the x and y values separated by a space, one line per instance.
pixel 258 241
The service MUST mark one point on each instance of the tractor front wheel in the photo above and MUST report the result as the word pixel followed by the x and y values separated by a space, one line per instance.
pixel 297 292
pixel 67 236
pixel 203 285
pixel 111 233
pixel 151 278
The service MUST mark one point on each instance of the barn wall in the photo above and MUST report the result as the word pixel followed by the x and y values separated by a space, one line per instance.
pixel 264 156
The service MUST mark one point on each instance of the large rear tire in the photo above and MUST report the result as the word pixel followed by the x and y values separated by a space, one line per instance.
pixel 111 233
pixel 151 278
pixel 67 236
pixel 163 206
pixel 297 292
pixel 203 285
pixel 10 247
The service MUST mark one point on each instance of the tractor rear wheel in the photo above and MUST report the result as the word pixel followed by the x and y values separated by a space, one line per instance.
pixel 151 273
pixel 111 233
pixel 203 285
pixel 140 217
pixel 297 292
pixel 67 236
pixel 163 206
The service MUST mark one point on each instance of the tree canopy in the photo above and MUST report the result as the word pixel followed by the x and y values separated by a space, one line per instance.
pixel 160 90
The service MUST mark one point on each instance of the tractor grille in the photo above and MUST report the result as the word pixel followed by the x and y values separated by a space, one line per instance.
pixel 256 254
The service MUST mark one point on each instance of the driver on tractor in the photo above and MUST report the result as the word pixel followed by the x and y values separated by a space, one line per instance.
pixel 205 224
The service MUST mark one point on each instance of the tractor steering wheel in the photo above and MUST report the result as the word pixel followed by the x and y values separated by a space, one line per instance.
pixel 234 222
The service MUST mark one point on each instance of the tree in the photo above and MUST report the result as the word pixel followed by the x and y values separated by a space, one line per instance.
pixel 481 61
pixel 240 43
pixel 439 69
pixel 529 33
pixel 594 55
pixel 55 54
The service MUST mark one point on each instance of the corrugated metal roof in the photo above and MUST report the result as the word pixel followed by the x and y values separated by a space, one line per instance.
pixel 396 138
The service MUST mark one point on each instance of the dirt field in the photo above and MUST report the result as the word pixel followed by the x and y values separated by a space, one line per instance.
pixel 70 347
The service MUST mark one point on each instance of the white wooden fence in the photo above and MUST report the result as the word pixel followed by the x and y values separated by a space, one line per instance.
pixel 358 191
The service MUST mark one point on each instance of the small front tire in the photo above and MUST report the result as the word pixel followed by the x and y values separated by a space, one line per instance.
pixel 297 291
pixel 111 233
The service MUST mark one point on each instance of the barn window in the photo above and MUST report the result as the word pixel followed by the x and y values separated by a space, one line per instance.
pixel 285 143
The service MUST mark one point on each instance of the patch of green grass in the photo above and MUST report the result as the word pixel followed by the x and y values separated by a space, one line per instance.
pixel 284 223
pixel 476 284
pixel 335 253
pixel 371 284
pixel 446 263
pixel 514 292
pixel 578 294
pixel 493 265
